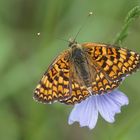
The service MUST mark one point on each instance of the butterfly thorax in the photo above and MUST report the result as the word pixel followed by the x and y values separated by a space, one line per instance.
pixel 81 65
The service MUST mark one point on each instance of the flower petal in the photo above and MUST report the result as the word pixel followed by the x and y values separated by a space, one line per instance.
pixel 105 108
pixel 119 97
pixel 109 104
pixel 85 113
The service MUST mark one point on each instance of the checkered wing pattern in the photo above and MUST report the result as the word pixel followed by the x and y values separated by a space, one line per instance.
pixel 111 64
pixel 102 84
pixel 78 93
pixel 54 85
pixel 60 83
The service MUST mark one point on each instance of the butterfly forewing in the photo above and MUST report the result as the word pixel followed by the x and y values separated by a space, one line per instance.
pixel 111 65
pixel 54 85
pixel 113 61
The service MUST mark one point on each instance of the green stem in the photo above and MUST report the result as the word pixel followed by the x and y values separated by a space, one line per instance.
pixel 132 15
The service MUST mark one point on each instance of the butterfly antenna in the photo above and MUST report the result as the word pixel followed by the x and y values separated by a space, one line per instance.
pixel 63 39
pixel 89 14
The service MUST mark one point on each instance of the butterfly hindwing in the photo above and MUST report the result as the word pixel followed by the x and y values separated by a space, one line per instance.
pixel 78 93
pixel 102 84
pixel 54 85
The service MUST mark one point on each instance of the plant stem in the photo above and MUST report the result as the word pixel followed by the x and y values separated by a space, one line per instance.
pixel 132 15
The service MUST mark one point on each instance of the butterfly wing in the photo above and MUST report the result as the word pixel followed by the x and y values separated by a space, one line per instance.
pixel 78 94
pixel 77 89
pixel 102 84
pixel 115 62
pixel 111 65
pixel 54 85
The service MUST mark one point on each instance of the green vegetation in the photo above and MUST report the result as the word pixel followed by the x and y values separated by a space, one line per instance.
pixel 25 55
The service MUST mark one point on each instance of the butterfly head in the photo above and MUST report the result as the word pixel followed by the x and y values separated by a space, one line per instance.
pixel 72 43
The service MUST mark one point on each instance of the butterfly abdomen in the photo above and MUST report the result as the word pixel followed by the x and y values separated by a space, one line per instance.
pixel 81 66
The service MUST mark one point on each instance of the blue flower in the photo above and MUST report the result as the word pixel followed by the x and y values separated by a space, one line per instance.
pixel 109 104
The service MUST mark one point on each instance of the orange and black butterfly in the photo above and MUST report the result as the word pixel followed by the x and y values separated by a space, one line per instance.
pixel 84 70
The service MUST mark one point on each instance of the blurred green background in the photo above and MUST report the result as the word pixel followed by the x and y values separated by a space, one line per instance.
pixel 24 56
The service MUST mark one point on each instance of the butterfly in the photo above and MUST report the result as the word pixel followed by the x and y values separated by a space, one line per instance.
pixel 84 70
